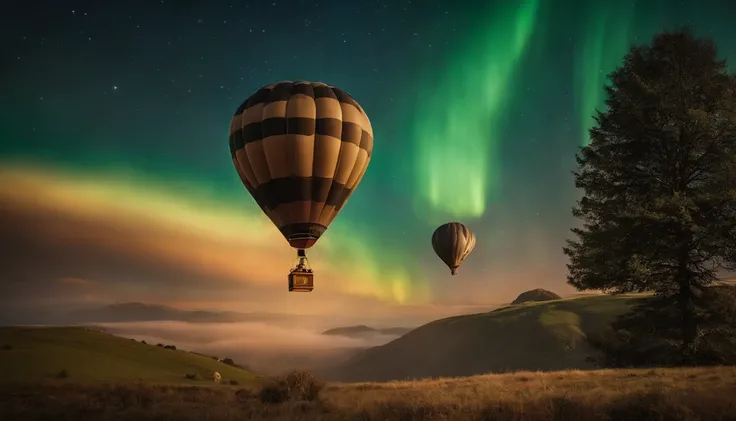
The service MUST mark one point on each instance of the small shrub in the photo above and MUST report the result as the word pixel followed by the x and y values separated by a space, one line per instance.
pixel 302 385
pixel 234 382
pixel 230 362
pixel 143 342
pixel 298 385
pixel 7 347
pixel 63 374
pixel 194 376
pixel 171 347
pixel 274 393
pixel 160 345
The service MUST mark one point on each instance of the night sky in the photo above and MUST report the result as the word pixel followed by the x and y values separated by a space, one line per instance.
pixel 116 182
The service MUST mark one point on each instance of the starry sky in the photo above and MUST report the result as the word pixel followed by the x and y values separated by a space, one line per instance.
pixel 116 182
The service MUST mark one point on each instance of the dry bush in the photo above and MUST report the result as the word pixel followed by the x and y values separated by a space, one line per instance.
pixel 274 393
pixel 298 385
pixel 302 385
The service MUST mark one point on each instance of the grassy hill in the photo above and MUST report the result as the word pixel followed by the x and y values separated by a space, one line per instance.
pixel 33 354
pixel 533 336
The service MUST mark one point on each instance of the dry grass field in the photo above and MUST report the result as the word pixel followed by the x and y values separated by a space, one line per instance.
pixel 656 394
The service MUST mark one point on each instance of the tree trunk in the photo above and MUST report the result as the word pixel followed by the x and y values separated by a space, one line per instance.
pixel 685 302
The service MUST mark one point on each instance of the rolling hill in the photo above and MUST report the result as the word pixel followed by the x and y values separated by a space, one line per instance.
pixel 32 354
pixel 533 336
pixel 538 294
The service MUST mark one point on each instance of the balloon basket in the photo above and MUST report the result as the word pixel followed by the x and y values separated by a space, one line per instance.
pixel 301 281
pixel 301 277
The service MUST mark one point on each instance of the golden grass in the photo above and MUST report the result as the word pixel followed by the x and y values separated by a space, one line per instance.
pixel 685 394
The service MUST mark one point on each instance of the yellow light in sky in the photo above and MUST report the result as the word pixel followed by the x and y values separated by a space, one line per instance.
pixel 216 238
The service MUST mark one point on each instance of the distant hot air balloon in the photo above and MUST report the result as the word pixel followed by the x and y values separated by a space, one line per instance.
pixel 453 242
pixel 301 149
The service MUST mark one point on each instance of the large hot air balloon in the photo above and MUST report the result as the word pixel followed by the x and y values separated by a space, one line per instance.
pixel 301 149
pixel 453 242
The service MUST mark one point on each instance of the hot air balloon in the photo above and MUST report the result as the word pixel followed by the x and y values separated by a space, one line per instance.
pixel 301 149
pixel 453 242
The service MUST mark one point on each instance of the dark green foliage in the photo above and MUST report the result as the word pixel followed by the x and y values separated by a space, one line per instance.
pixel 648 337
pixel 659 203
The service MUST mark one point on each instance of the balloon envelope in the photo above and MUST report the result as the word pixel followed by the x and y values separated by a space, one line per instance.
pixel 301 149
pixel 453 242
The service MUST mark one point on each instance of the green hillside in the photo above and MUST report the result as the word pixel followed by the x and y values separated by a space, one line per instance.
pixel 32 354
pixel 546 335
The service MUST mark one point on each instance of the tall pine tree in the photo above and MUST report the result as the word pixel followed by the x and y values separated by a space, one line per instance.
pixel 659 183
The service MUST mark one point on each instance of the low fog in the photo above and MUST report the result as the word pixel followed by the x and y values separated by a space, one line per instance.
pixel 266 348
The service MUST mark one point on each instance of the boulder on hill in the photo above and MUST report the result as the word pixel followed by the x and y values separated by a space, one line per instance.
pixel 535 295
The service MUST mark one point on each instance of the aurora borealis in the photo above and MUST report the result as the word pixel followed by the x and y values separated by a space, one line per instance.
pixel 115 170
pixel 457 133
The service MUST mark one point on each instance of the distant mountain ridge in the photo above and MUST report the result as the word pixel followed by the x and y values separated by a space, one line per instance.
pixel 142 312
pixel 363 330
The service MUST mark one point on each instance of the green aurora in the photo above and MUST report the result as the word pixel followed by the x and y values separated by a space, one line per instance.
pixel 457 134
